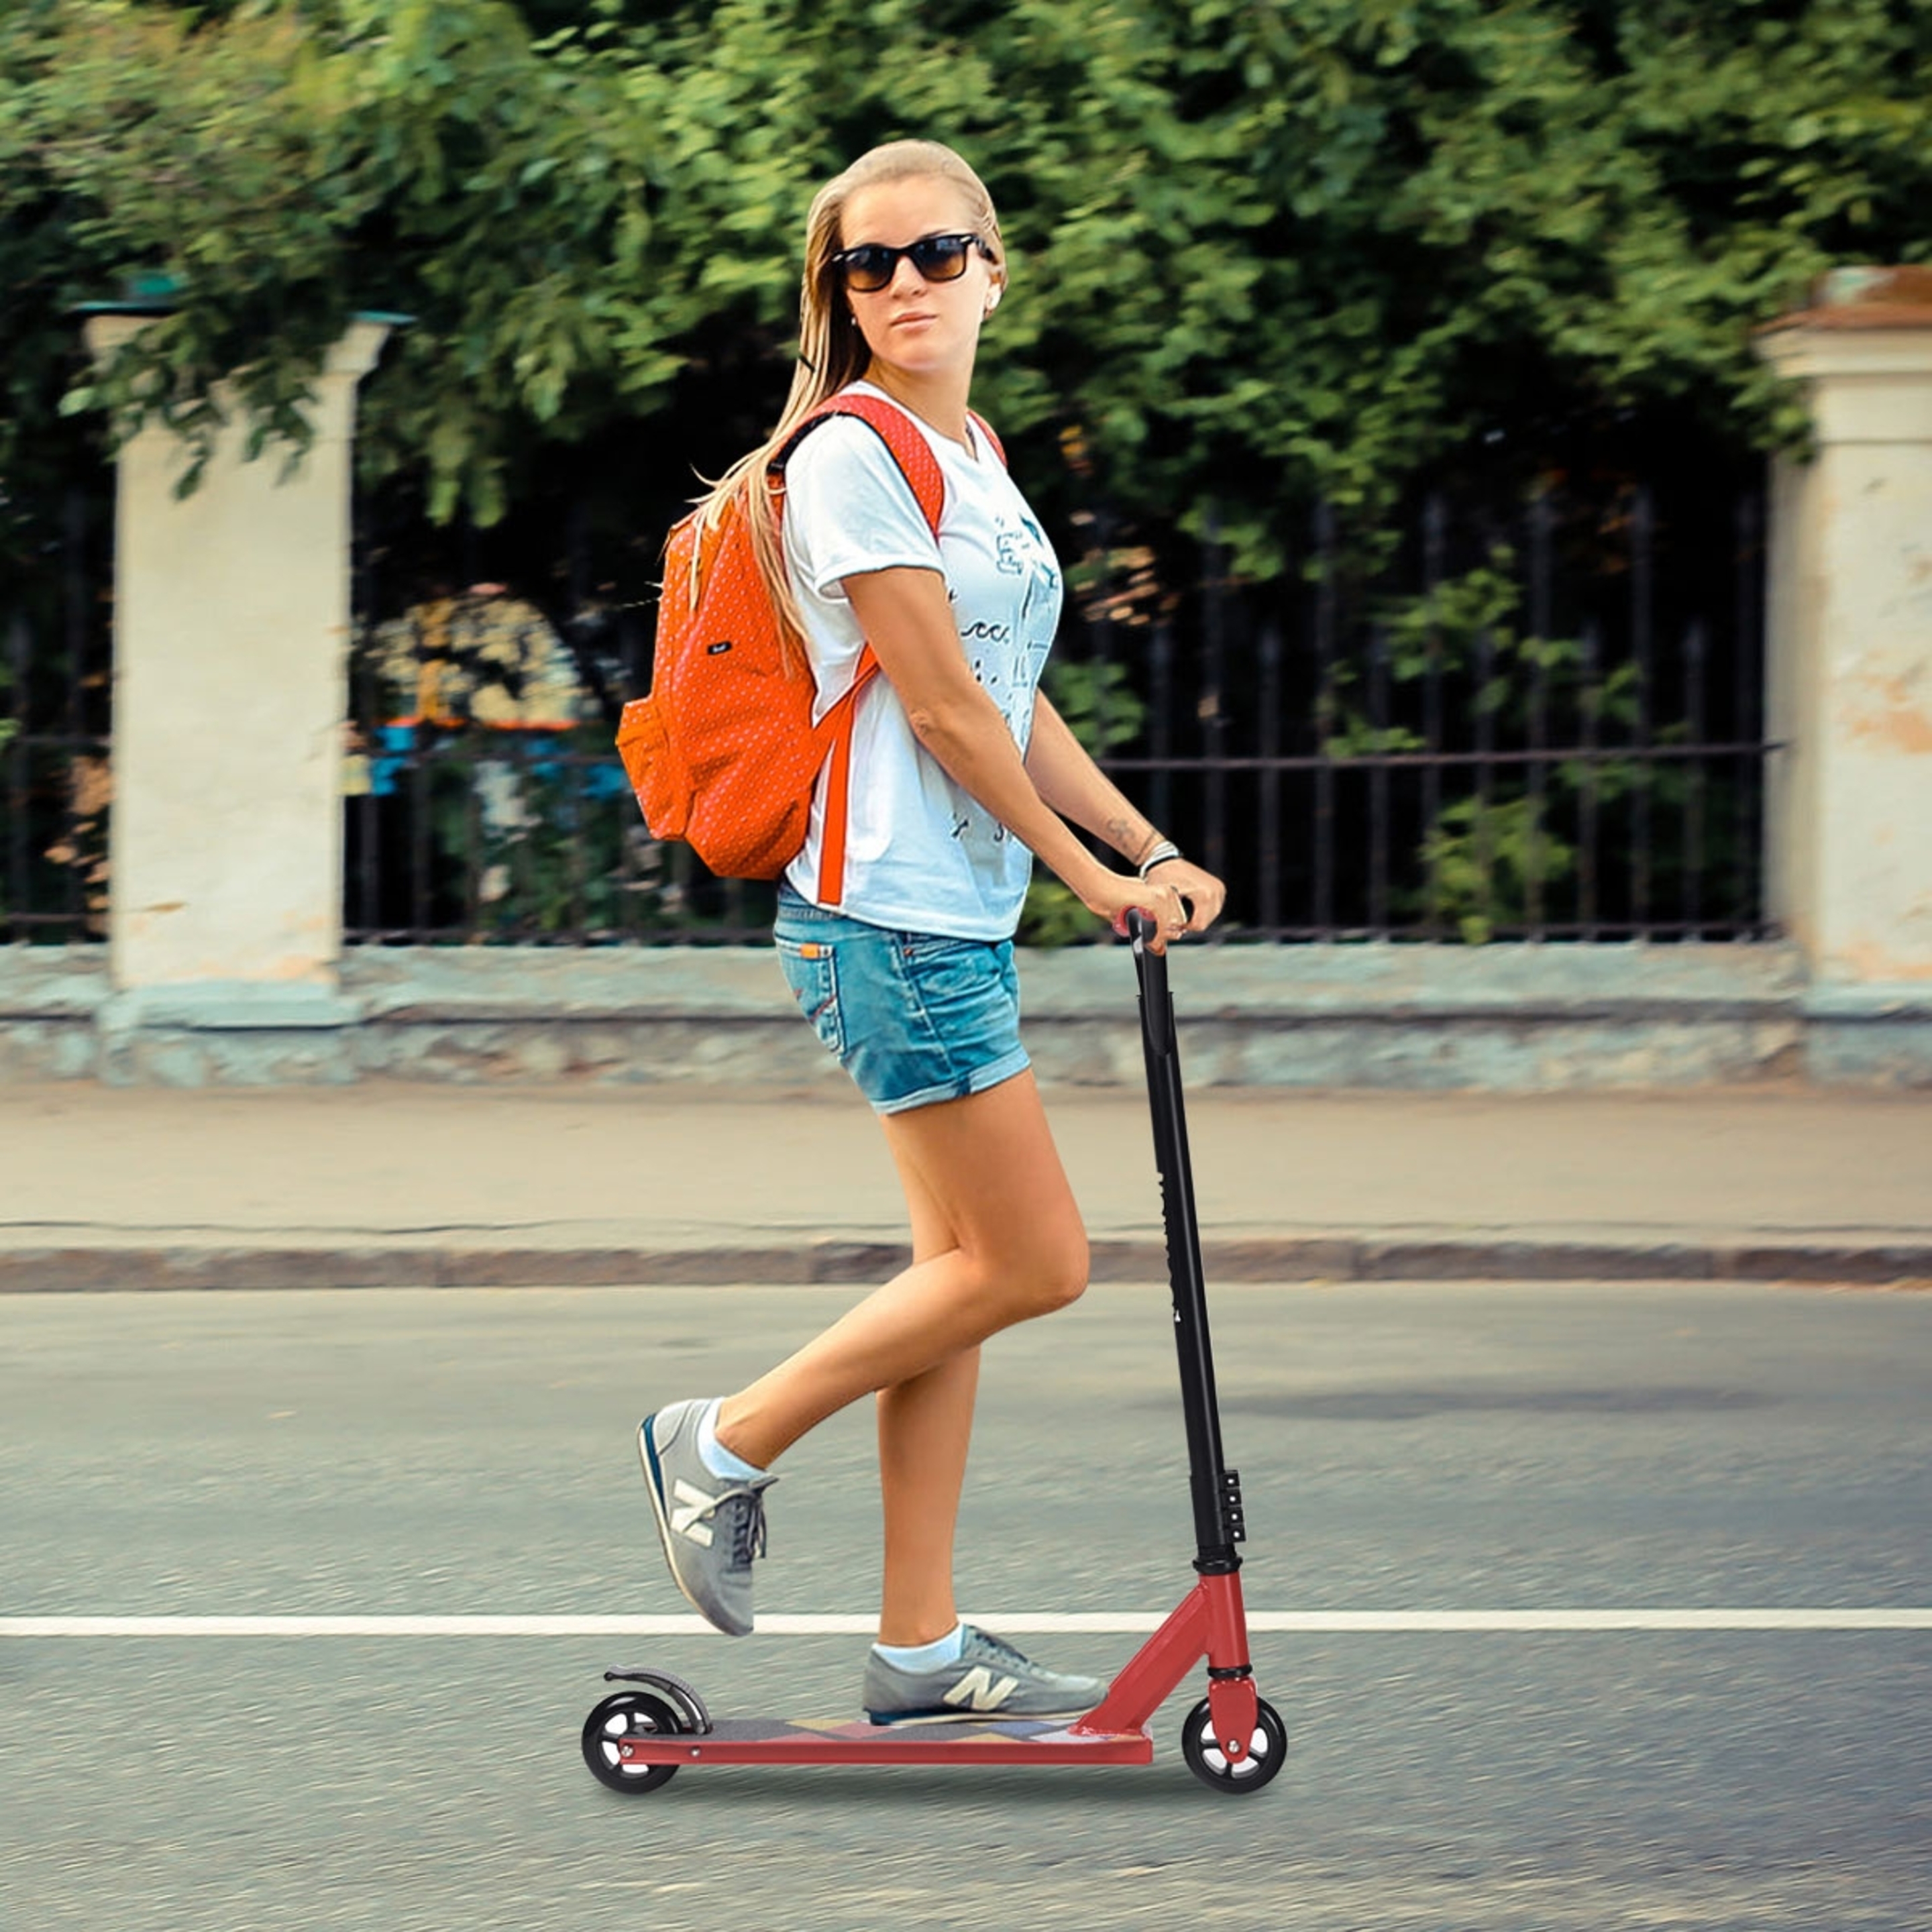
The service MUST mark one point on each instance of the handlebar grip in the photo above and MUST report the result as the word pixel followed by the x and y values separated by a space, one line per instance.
pixel 1150 969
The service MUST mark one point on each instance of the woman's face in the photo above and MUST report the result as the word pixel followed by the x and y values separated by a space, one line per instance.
pixel 922 328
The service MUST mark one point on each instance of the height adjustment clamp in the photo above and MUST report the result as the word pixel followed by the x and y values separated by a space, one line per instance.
pixel 1234 1518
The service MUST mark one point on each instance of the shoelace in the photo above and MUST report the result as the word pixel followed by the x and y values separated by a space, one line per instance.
pixel 1003 1651
pixel 748 1525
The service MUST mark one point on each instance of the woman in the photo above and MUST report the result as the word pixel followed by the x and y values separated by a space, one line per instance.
pixel 961 772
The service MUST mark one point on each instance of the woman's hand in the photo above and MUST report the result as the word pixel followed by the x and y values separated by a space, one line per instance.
pixel 1113 895
pixel 1205 894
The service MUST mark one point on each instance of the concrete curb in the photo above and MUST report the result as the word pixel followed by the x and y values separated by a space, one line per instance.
pixel 73 1270
pixel 1510 1018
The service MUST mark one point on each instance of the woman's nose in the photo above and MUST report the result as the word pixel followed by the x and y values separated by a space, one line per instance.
pixel 904 266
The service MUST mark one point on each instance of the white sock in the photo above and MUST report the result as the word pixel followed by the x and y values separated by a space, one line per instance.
pixel 946 1649
pixel 713 1454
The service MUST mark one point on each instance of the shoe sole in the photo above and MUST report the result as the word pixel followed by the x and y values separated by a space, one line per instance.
pixel 895 1719
pixel 647 1455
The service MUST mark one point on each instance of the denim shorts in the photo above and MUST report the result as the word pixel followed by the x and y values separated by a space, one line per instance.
pixel 914 1018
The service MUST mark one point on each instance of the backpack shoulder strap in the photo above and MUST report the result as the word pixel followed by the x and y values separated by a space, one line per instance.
pixel 920 467
pixel 993 443
pixel 900 434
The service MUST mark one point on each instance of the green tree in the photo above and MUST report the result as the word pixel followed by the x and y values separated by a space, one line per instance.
pixel 1265 252
pixel 1263 248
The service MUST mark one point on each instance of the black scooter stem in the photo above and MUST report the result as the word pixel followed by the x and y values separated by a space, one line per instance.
pixel 1216 1489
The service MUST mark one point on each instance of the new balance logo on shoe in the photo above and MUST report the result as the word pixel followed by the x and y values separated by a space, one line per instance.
pixel 991 1682
pixel 979 1690
pixel 690 1519
pixel 712 1528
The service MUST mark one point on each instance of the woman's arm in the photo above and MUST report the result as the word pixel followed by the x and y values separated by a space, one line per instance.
pixel 1068 781
pixel 909 624
pixel 1077 788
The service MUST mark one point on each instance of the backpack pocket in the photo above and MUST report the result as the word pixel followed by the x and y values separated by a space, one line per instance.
pixel 663 793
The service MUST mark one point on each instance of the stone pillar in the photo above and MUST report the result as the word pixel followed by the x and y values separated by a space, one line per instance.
pixel 231 625
pixel 1849 672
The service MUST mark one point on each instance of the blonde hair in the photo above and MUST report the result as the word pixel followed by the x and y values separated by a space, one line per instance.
pixel 831 351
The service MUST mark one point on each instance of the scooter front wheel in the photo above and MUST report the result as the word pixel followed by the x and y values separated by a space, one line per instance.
pixel 627 1714
pixel 1200 1745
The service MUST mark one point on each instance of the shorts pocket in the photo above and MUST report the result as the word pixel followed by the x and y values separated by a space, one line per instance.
pixel 812 971
pixel 925 950
pixel 957 984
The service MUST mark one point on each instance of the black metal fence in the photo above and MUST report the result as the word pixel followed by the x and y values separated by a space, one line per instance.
pixel 1546 728
pixel 1542 724
pixel 55 689
pixel 1545 725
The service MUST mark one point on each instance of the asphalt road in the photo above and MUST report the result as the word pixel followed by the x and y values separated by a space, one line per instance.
pixel 1431 1448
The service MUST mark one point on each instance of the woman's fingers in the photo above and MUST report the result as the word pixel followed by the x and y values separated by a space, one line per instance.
pixel 1203 894
pixel 1169 914
pixel 1187 901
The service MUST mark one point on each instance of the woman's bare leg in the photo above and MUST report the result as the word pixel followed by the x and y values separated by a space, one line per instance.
pixel 991 1178
pixel 925 1426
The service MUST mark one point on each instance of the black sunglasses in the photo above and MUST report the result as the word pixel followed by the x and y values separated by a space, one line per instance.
pixel 938 258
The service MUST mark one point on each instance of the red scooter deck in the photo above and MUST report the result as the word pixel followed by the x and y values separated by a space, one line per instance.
pixel 790 1740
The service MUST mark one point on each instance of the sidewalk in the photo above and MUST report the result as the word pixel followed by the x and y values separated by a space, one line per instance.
pixel 393 1183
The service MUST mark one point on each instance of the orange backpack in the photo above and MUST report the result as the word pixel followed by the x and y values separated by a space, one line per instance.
pixel 723 753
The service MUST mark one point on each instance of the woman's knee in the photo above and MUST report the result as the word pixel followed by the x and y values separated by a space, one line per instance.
pixel 1066 1279
pixel 1050 1274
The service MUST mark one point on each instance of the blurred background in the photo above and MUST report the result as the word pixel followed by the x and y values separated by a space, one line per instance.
pixel 1383 369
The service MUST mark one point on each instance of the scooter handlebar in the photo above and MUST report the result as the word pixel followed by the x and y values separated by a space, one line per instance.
pixel 1150 968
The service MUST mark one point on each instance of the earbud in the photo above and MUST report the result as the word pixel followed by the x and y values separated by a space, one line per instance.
pixel 992 298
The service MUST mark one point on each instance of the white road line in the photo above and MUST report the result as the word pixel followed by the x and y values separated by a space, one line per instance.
pixel 1021 1624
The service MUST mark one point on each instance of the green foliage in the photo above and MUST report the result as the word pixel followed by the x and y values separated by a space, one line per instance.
pixel 1100 707
pixel 1491 860
pixel 287 166
pixel 539 857
pixel 1263 252
pixel 1466 627
pixel 1263 249
pixel 1486 860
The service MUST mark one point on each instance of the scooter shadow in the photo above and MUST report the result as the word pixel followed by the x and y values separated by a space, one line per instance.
pixel 839 1788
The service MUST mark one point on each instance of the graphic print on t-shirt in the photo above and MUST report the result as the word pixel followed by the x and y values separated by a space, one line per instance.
pixel 1020 549
pixel 1006 657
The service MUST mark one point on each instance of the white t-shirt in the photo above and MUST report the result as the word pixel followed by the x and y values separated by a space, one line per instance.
pixel 921 853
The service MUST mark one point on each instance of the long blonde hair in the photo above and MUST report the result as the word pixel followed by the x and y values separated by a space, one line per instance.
pixel 831 351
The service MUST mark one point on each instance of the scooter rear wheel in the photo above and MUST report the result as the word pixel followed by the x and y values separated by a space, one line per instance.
pixel 1200 1745
pixel 627 1714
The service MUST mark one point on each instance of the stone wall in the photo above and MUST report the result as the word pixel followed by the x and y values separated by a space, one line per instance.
pixel 1500 1018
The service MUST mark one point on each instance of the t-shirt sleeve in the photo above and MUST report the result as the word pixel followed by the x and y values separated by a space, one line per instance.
pixel 848 509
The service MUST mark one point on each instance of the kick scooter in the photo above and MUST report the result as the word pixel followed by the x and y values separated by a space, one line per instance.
pixel 636 1740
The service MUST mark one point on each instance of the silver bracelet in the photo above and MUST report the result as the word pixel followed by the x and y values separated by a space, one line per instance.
pixel 1160 856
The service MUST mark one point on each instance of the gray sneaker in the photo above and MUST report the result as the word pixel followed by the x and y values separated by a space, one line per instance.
pixel 711 1526
pixel 991 1679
